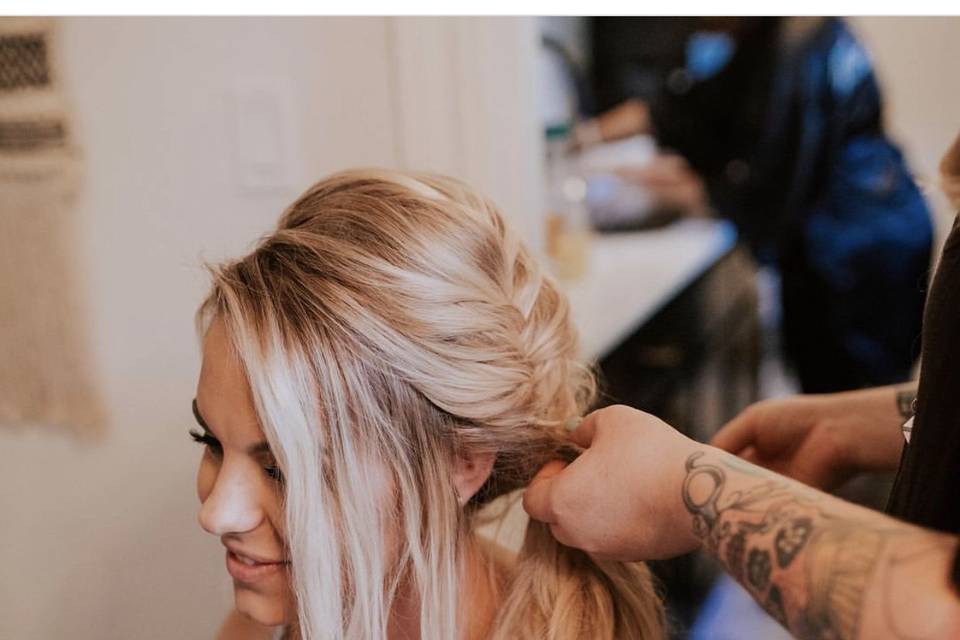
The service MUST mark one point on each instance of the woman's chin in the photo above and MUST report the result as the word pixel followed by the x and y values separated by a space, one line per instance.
pixel 263 609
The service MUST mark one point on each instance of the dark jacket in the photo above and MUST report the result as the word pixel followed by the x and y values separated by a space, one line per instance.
pixel 790 140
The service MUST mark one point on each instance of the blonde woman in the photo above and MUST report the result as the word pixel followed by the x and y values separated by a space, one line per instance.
pixel 384 364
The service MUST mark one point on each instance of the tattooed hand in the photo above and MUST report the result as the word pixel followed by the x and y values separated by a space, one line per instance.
pixel 821 440
pixel 619 499
pixel 824 568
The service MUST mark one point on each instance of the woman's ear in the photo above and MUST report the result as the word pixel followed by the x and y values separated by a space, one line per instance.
pixel 469 474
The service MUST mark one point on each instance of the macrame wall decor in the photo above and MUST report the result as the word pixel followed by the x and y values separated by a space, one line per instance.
pixel 46 377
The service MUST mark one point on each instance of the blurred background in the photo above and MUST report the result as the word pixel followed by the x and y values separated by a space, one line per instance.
pixel 727 202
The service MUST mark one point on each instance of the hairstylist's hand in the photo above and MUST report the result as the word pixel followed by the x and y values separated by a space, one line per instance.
pixel 672 183
pixel 621 499
pixel 820 440
pixel 628 118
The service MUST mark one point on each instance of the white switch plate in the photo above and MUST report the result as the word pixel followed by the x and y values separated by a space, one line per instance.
pixel 267 154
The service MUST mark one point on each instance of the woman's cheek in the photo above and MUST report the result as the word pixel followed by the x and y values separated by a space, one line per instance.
pixel 206 477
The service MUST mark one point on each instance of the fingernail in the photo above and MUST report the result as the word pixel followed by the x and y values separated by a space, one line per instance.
pixel 572 423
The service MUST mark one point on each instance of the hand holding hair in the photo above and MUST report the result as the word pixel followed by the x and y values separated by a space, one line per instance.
pixel 820 566
pixel 620 498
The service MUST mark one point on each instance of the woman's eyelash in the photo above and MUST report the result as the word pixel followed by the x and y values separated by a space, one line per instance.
pixel 205 439
pixel 272 471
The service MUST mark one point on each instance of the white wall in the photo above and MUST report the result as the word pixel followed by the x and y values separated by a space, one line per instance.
pixel 99 540
pixel 466 104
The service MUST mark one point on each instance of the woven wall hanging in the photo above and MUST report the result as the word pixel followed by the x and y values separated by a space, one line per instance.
pixel 46 377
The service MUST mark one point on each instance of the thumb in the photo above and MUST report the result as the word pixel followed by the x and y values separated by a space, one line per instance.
pixel 538 498
pixel 737 434
pixel 583 435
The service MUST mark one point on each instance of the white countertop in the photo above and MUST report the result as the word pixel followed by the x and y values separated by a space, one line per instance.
pixel 633 275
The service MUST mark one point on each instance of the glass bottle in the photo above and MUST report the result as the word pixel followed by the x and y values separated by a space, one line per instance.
pixel 568 229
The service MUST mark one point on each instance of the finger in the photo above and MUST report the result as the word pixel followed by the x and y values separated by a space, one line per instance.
pixel 656 172
pixel 538 499
pixel 583 434
pixel 678 194
pixel 659 176
pixel 750 455
pixel 736 435
pixel 560 534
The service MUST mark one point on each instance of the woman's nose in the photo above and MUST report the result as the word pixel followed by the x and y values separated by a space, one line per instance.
pixel 232 506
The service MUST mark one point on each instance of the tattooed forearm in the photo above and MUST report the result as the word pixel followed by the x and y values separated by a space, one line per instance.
pixel 810 566
pixel 759 533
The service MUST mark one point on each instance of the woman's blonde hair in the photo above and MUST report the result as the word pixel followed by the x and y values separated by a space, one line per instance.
pixel 393 321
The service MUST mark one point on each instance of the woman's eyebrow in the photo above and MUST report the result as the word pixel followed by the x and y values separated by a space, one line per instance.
pixel 260 448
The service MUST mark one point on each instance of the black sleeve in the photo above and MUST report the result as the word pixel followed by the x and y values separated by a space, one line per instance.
pixel 925 491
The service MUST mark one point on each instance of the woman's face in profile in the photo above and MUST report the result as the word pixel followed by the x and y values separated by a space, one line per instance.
pixel 239 485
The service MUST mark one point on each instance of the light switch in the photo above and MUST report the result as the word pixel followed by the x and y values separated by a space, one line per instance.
pixel 261 114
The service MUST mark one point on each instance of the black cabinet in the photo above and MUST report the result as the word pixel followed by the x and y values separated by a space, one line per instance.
pixel 694 364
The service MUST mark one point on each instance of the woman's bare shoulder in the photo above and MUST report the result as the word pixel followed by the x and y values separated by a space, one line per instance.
pixel 240 627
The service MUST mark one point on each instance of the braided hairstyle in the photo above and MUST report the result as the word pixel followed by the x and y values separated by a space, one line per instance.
pixel 393 320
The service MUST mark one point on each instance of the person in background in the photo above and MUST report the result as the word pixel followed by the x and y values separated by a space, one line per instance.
pixel 821 566
pixel 950 175
pixel 777 124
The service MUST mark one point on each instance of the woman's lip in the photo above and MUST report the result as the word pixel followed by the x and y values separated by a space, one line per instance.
pixel 244 572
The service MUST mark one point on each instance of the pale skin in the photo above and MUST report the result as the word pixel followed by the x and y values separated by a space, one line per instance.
pixel 823 567
pixel 822 440
pixel 240 494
